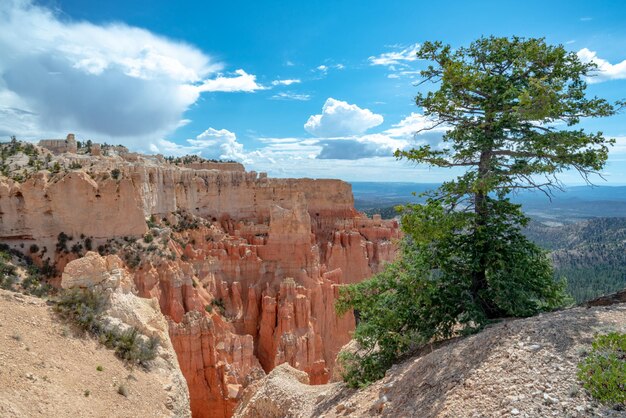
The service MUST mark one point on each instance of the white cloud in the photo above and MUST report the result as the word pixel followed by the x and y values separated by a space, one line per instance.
pixel 339 118
pixel 606 70
pixel 286 82
pixel 110 81
pixel 367 146
pixel 214 144
pixel 413 130
pixel 398 57
pixel 243 82
pixel 413 124
pixel 291 96
pixel 324 69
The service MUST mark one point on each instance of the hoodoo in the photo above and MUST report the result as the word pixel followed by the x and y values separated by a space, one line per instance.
pixel 245 268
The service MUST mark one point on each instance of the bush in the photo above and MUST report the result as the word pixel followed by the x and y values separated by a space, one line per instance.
pixel 85 308
pixel 148 238
pixel 219 304
pixel 603 372
pixel 115 173
pixel 427 294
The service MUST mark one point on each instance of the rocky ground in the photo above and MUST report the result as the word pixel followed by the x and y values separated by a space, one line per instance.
pixel 49 370
pixel 518 368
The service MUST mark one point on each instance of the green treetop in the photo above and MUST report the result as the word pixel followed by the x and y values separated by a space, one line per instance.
pixel 510 107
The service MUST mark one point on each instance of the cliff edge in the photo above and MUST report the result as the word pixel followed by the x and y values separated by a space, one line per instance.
pixel 517 368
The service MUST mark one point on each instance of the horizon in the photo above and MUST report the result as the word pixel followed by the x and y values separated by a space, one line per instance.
pixel 332 100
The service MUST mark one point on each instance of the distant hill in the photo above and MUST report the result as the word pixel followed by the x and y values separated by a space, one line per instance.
pixel 590 254
pixel 584 228
pixel 575 204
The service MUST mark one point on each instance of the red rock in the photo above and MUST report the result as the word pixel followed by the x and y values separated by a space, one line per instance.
pixel 275 256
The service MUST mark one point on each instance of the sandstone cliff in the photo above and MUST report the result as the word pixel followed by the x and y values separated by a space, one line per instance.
pixel 245 268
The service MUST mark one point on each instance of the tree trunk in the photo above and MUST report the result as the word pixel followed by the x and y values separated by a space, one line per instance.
pixel 481 210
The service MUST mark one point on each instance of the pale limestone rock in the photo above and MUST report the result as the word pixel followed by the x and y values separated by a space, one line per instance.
pixel 125 310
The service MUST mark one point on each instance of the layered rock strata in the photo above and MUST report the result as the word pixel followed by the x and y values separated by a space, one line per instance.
pixel 247 277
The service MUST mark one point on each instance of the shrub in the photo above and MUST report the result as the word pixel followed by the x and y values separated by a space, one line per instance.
pixel 34 248
pixel 603 372
pixel 148 238
pixel 85 308
pixel 115 173
pixel 62 240
pixel 219 304
pixel 99 368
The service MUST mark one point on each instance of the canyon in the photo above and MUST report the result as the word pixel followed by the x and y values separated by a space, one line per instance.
pixel 245 268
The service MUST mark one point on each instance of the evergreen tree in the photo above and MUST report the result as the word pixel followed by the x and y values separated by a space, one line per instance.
pixel 511 107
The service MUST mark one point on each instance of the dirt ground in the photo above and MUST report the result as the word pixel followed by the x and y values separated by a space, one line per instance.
pixel 518 368
pixel 47 369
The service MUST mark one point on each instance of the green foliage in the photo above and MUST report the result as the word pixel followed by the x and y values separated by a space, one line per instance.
pixel 148 238
pixel 34 281
pixel 591 254
pixel 115 173
pixel 427 294
pixel 85 308
pixel 82 307
pixel 219 304
pixel 188 159
pixel 62 240
pixel 603 372
pixel 466 261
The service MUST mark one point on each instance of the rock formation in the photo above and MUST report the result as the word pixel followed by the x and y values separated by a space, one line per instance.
pixel 524 367
pixel 125 310
pixel 246 268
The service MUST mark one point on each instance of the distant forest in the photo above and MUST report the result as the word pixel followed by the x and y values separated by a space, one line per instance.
pixel 590 254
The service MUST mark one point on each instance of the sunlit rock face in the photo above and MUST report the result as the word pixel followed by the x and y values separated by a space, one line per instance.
pixel 251 286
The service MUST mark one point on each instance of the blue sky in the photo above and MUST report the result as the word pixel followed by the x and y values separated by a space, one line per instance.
pixel 297 89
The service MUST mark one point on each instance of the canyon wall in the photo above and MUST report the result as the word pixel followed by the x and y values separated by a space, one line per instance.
pixel 247 268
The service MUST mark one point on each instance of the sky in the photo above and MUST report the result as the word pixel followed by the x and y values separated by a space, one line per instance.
pixel 321 89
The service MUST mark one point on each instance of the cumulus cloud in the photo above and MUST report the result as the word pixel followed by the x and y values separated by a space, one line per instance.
pixel 413 124
pixel 375 145
pixel 606 70
pixel 110 80
pixel 243 82
pixel 338 118
pixel 286 82
pixel 413 130
pixel 398 57
pixel 214 144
